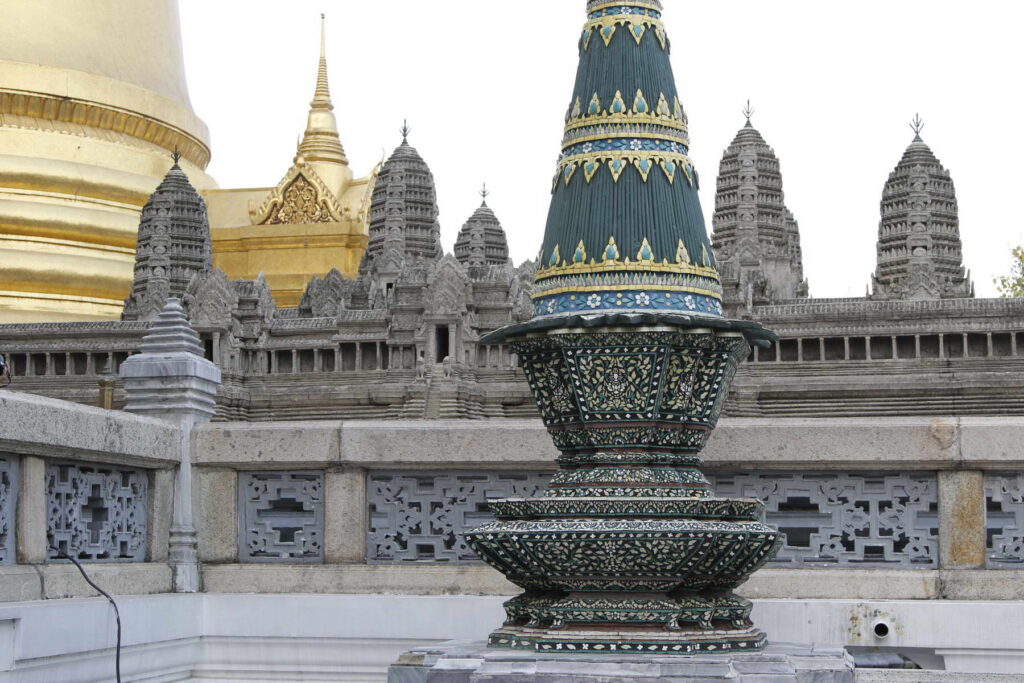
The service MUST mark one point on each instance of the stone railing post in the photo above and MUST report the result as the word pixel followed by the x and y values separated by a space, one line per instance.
pixel 169 379
pixel 962 520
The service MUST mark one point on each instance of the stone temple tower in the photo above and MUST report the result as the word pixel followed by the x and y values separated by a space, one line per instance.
pixel 93 99
pixel 755 237
pixel 403 213
pixel 482 241
pixel 920 255
pixel 173 246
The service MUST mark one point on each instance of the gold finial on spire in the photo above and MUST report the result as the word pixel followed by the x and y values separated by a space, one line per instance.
pixel 322 96
pixel 748 111
pixel 917 125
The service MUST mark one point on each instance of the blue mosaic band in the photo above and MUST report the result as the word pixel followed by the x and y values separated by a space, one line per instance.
pixel 601 5
pixel 620 9
pixel 644 301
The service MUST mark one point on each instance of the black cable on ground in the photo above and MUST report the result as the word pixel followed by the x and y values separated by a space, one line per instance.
pixel 117 614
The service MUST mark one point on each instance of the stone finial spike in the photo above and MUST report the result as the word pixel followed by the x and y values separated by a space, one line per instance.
pixel 917 125
pixel 171 332
pixel 485 193
pixel 405 130
pixel 176 155
pixel 322 96
pixel 748 111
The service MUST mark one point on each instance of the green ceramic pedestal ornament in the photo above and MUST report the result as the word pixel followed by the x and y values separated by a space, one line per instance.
pixel 629 360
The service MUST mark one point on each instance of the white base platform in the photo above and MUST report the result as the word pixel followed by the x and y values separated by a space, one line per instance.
pixel 216 638
pixel 469 662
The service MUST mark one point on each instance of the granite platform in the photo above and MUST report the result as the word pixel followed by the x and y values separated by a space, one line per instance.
pixel 473 662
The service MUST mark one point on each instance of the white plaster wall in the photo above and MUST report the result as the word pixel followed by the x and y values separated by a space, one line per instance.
pixel 274 638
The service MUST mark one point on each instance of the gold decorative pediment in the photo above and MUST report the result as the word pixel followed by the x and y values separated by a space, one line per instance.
pixel 301 197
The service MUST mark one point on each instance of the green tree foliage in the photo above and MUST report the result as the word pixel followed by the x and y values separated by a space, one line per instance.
pixel 1012 285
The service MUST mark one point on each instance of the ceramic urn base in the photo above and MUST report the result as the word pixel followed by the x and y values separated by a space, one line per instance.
pixel 628 551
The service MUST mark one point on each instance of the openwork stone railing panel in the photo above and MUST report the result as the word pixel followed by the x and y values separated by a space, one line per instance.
pixel 281 516
pixel 853 519
pixel 97 513
pixel 1004 499
pixel 418 517
pixel 8 506
pixel 832 519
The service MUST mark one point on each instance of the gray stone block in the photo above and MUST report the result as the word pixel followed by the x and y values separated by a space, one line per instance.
pixel 773 666
pixel 464 662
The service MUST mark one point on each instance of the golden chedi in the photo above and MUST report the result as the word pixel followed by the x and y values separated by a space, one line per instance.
pixel 93 101
pixel 314 221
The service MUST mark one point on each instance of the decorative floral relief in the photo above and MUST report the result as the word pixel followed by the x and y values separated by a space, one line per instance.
pixel 1004 494
pixel 97 513
pixel 616 382
pixel 420 517
pixel 849 519
pixel 300 203
pixel 282 516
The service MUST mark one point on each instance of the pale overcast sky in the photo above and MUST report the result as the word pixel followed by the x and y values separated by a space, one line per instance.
pixel 485 86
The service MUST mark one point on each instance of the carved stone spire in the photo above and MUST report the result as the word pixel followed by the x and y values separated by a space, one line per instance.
pixel 482 240
pixel 755 237
pixel 169 379
pixel 173 245
pixel 920 255
pixel 171 333
pixel 403 211
pixel 321 145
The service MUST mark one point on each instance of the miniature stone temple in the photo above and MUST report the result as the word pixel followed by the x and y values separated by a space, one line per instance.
pixel 756 238
pixel 629 358
pixel 919 252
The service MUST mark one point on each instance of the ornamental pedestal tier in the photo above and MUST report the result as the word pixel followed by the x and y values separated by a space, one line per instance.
pixel 628 550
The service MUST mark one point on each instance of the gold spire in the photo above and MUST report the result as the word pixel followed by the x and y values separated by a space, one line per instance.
pixel 322 97
pixel 321 142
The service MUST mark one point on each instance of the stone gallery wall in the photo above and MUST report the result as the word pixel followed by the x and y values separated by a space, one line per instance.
pixel 935 505
pixel 954 357
pixel 95 484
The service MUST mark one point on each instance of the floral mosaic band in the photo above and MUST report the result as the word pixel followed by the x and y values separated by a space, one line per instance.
pixel 635 17
pixel 620 8
pixel 644 135
pixel 645 300
pixel 596 5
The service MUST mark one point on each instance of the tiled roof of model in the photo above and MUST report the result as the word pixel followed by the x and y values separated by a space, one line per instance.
pixel 625 230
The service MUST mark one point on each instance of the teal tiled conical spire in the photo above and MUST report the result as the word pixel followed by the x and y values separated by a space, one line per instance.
pixel 625 231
